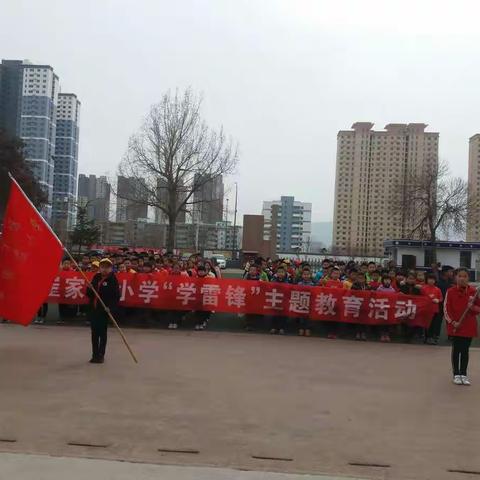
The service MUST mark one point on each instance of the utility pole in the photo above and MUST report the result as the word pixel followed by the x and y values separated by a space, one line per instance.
pixel 234 243
pixel 225 225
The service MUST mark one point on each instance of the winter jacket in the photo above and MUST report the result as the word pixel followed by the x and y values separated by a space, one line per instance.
pixel 107 288
pixel 456 301
pixel 435 294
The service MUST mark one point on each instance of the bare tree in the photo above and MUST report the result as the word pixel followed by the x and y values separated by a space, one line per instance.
pixel 174 155
pixel 432 203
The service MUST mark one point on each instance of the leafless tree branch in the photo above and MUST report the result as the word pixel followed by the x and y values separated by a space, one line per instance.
pixel 174 155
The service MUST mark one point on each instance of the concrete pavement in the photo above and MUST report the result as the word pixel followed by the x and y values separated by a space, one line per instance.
pixel 242 401
pixel 38 467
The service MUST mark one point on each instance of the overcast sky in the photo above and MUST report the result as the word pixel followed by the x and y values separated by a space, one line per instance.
pixel 281 76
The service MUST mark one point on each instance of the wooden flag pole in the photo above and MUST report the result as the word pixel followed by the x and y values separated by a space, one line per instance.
pixel 107 310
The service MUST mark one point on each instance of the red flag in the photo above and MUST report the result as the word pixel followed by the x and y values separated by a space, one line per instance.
pixel 30 255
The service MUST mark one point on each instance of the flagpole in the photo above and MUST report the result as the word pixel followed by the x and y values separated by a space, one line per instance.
pixel 107 310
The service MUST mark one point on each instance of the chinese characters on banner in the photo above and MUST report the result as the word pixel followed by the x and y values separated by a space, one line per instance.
pixel 159 291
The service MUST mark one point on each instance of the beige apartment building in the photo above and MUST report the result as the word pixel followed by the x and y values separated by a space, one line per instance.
pixel 473 223
pixel 370 165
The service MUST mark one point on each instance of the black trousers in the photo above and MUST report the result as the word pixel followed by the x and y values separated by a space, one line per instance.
pixel 279 322
pixel 43 310
pixel 202 317
pixel 460 347
pixel 304 323
pixel 99 328
pixel 67 311
pixel 435 326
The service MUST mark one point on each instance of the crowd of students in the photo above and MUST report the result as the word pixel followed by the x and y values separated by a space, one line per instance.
pixel 332 274
pixel 359 276
pixel 454 300
pixel 148 262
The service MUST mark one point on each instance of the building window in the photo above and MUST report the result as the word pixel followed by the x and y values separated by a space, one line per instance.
pixel 466 259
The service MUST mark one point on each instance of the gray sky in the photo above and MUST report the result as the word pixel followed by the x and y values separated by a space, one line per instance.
pixel 281 76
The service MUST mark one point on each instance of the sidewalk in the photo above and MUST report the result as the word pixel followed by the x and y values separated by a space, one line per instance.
pixel 38 467
pixel 235 400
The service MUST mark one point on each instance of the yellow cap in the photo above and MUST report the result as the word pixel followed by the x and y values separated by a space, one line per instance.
pixel 95 264
pixel 106 260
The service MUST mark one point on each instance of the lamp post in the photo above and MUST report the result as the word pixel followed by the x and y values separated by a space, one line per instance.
pixel 234 243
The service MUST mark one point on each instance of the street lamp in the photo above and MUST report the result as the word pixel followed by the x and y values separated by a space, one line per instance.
pixel 234 243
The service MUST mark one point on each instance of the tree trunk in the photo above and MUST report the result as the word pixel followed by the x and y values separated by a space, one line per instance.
pixel 172 217
pixel 171 233
pixel 433 239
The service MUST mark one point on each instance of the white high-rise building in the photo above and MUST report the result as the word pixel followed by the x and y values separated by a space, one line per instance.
pixel 370 165
pixel 29 100
pixel 66 160
pixel 290 222
pixel 473 223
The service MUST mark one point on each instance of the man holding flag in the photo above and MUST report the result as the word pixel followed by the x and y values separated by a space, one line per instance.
pixel 106 284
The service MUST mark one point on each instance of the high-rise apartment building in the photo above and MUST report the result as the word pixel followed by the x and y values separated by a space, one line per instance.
pixel 131 199
pixel 208 206
pixel 94 193
pixel 162 198
pixel 29 96
pixel 290 222
pixel 370 167
pixel 473 222
pixel 66 160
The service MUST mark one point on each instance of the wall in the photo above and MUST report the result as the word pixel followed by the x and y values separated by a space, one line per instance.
pixel 252 239
pixel 446 256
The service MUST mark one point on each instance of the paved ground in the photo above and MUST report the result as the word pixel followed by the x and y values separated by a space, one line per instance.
pixel 255 402
pixel 37 467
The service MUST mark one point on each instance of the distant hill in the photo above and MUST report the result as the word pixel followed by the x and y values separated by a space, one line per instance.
pixel 322 232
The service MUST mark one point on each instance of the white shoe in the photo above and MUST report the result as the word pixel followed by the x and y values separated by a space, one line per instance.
pixel 457 380
pixel 174 326
pixel 197 327
pixel 465 380
pixel 170 326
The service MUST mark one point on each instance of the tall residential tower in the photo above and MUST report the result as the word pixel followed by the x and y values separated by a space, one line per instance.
pixel 29 100
pixel 131 199
pixel 208 206
pixel 94 193
pixel 473 223
pixel 66 160
pixel 370 167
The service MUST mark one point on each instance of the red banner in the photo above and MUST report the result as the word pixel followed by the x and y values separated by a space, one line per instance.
pixel 159 291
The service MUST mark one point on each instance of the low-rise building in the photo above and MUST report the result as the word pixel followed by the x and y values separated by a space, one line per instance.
pixel 228 236
pixel 411 254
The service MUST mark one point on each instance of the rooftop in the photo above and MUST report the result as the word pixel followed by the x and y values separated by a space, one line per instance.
pixel 405 242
